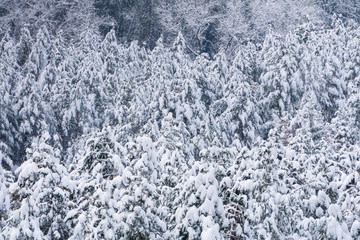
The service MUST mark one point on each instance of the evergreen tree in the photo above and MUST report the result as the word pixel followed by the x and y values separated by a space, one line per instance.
pixel 140 211
pixel 80 114
pixel 240 119
pixel 94 214
pixel 24 46
pixel 6 178
pixel 34 115
pixel 9 74
pixel 39 196
pixel 199 211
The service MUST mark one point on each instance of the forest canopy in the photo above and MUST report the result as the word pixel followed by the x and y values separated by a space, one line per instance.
pixel 102 140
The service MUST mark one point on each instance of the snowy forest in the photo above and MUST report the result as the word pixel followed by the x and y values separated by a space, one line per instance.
pixel 108 135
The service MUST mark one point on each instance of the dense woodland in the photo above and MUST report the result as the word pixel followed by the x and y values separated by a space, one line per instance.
pixel 101 140
pixel 207 25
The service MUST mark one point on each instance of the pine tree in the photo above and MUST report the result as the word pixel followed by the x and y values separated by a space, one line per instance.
pixel 199 211
pixel 329 86
pixel 85 105
pixel 6 178
pixel 33 113
pixel 245 61
pixel 140 211
pixel 24 46
pixel 175 158
pixel 279 64
pixel 240 119
pixel 39 196
pixel 111 89
pixel 9 73
pixel 258 204
pixel 219 75
pixel 97 174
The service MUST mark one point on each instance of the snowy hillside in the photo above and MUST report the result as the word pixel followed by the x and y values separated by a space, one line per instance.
pixel 101 140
